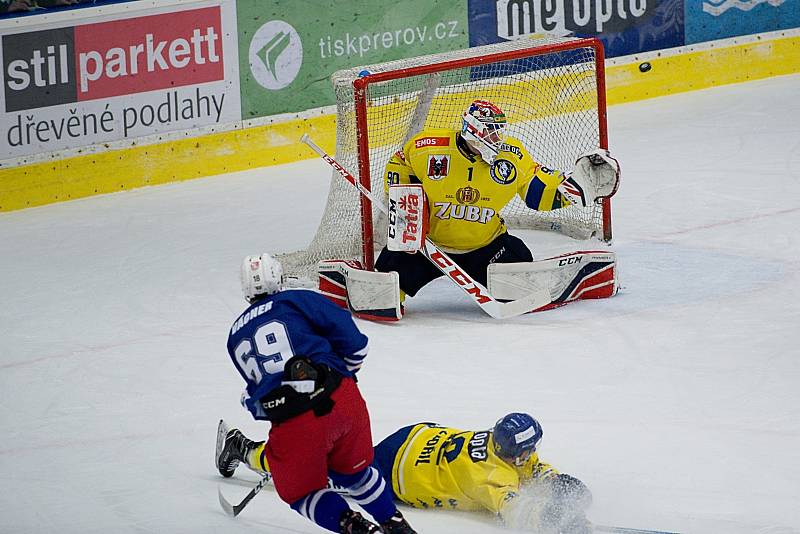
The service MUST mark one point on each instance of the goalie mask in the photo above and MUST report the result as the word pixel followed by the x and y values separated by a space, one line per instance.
pixel 482 128
pixel 516 437
pixel 261 275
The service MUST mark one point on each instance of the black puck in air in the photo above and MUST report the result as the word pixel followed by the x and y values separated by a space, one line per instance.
pixel 644 67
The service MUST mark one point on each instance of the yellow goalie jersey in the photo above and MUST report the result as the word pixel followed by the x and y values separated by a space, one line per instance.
pixel 465 194
pixel 439 467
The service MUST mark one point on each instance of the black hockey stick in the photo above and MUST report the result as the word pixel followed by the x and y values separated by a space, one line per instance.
pixel 235 509
pixel 479 294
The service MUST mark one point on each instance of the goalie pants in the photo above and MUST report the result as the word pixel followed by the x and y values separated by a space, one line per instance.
pixel 416 270
pixel 301 450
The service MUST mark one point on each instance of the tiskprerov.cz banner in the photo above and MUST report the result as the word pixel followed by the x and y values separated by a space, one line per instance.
pixel 288 50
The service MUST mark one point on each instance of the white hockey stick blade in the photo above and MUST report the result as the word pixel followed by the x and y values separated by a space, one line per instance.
pixel 480 295
pixel 226 506
pixel 235 509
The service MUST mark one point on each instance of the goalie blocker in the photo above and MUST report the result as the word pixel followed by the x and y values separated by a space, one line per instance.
pixel 407 218
pixel 574 276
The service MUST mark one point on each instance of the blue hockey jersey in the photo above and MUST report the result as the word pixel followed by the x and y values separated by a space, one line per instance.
pixel 290 323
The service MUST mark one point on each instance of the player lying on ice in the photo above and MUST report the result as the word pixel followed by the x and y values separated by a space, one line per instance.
pixel 430 466
pixel 450 186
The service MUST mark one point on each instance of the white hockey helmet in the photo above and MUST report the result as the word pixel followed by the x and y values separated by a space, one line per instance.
pixel 482 128
pixel 261 275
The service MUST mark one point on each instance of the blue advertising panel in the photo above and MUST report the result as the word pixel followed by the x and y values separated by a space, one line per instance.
pixel 707 20
pixel 624 26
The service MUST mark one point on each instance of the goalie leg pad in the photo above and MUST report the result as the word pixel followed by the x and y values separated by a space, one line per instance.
pixel 370 295
pixel 574 276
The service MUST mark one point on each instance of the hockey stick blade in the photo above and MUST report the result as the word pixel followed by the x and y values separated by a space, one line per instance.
pixel 235 509
pixel 496 309
pixel 624 530
pixel 479 294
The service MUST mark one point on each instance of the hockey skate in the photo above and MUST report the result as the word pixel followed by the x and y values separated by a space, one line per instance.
pixel 352 522
pixel 232 448
pixel 397 524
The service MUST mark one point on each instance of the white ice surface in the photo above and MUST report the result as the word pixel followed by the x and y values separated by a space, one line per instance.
pixel 678 401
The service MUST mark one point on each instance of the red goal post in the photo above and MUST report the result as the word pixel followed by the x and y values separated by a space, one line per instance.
pixel 552 91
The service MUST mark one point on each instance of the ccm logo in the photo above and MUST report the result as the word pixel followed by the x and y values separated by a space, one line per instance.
pixel 392 217
pixel 570 261
pixel 274 403
pixel 459 277
pixel 432 141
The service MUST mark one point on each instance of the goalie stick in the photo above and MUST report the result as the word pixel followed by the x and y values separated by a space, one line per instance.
pixel 235 509
pixel 479 294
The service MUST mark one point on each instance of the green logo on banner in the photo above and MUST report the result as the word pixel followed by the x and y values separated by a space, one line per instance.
pixel 276 54
pixel 288 50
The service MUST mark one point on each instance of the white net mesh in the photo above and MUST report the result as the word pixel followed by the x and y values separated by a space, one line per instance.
pixel 550 99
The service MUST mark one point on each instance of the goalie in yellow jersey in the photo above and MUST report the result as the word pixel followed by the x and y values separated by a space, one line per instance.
pixel 449 186
pixel 467 177
pixel 496 471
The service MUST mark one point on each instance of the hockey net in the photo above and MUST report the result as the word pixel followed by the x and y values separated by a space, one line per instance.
pixel 552 91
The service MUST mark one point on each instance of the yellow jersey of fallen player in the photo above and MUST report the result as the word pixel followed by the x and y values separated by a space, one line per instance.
pixel 465 194
pixel 439 467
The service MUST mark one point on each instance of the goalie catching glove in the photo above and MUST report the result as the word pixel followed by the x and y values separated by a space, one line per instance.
pixel 596 176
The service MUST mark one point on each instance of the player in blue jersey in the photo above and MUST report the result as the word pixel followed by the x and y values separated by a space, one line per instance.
pixel 298 354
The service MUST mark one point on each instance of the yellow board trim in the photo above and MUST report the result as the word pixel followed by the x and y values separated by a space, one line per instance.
pixel 701 69
pixel 181 159
pixel 46 182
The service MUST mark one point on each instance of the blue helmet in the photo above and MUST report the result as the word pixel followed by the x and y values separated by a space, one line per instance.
pixel 516 437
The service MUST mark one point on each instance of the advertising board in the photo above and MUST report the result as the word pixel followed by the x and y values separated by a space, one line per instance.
pixel 707 20
pixel 288 50
pixel 624 26
pixel 117 78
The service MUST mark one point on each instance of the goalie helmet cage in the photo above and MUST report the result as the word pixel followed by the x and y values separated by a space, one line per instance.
pixel 551 89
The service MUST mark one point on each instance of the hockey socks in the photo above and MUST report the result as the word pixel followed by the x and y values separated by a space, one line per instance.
pixel 257 459
pixel 369 490
pixel 324 507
